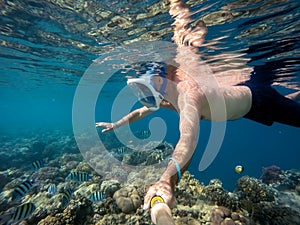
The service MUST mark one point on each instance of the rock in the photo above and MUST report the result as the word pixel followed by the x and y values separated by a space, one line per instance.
pixel 235 216
pixel 227 221
pixel 219 214
pixel 216 194
pixel 253 190
pixel 127 199
pixel 3 180
pixel 109 187
pixel 297 188
pixel 187 221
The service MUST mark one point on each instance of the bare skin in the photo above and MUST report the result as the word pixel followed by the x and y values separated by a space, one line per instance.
pixel 190 102
pixel 294 96
pixel 189 90
pixel 189 99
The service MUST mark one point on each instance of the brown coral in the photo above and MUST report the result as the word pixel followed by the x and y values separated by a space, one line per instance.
pixel 223 216
pixel 127 199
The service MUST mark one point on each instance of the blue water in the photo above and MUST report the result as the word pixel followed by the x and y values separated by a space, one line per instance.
pixel 44 55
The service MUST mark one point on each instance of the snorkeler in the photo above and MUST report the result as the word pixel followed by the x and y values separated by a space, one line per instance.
pixel 163 85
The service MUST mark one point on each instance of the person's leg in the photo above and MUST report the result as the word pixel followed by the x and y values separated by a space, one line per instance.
pixel 269 106
pixel 287 111
pixel 294 96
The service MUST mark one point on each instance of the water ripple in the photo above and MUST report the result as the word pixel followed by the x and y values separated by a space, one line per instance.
pixel 55 40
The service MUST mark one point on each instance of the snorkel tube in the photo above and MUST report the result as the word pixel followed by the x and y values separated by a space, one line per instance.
pixel 160 212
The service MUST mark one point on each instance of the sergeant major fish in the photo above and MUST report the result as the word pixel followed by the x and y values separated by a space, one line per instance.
pixel 23 211
pixel 121 150
pixel 97 196
pixel 78 176
pixel 52 189
pixel 22 189
pixel 144 133
pixel 66 197
pixel 38 163
pixel 20 213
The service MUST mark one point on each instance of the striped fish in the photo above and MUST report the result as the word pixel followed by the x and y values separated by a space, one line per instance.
pixel 78 176
pixel 66 197
pixel 38 164
pixel 22 212
pixel 144 133
pixel 22 189
pixel 52 189
pixel 121 150
pixel 97 196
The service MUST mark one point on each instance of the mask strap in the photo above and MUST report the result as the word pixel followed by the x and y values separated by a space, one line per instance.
pixel 165 81
pixel 164 85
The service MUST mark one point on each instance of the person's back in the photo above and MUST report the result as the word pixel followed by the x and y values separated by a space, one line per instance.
pixel 237 101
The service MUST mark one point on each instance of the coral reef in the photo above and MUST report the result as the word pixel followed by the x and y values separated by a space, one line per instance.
pixel 271 174
pixel 271 213
pixel 127 199
pixel 216 194
pixel 149 154
pixel 253 201
pixel 253 190
pixel 223 216
pixel 267 205
pixel 109 187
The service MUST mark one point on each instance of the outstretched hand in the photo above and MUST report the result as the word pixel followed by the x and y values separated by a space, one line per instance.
pixel 107 126
pixel 162 189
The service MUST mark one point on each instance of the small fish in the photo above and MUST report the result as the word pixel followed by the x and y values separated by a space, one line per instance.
pixel 78 176
pixel 66 197
pixel 38 164
pixel 238 169
pixel 22 212
pixel 121 150
pixel 52 189
pixel 22 189
pixel 145 133
pixel 97 196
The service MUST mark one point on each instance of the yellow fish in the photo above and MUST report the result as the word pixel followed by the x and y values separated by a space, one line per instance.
pixel 239 169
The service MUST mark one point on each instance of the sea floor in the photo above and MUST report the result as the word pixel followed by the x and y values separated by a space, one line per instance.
pixel 49 172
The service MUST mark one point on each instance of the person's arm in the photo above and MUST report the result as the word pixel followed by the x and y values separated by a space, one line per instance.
pixel 129 118
pixel 184 34
pixel 189 129
pixel 189 126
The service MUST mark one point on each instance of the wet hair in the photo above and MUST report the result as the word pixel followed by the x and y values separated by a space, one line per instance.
pixel 149 68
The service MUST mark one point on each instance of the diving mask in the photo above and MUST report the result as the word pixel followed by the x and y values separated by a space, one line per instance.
pixel 143 88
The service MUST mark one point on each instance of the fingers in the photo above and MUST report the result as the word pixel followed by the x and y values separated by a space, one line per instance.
pixel 162 189
pixel 103 124
pixel 99 124
pixel 107 126
pixel 106 130
pixel 150 194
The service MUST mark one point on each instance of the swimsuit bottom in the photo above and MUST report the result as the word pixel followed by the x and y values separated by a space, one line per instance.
pixel 268 106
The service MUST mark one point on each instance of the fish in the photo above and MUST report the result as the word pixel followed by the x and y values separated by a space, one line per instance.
pixel 66 197
pixel 238 169
pixel 97 196
pixel 38 164
pixel 22 212
pixel 78 176
pixel 121 150
pixel 52 189
pixel 22 189
pixel 144 133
